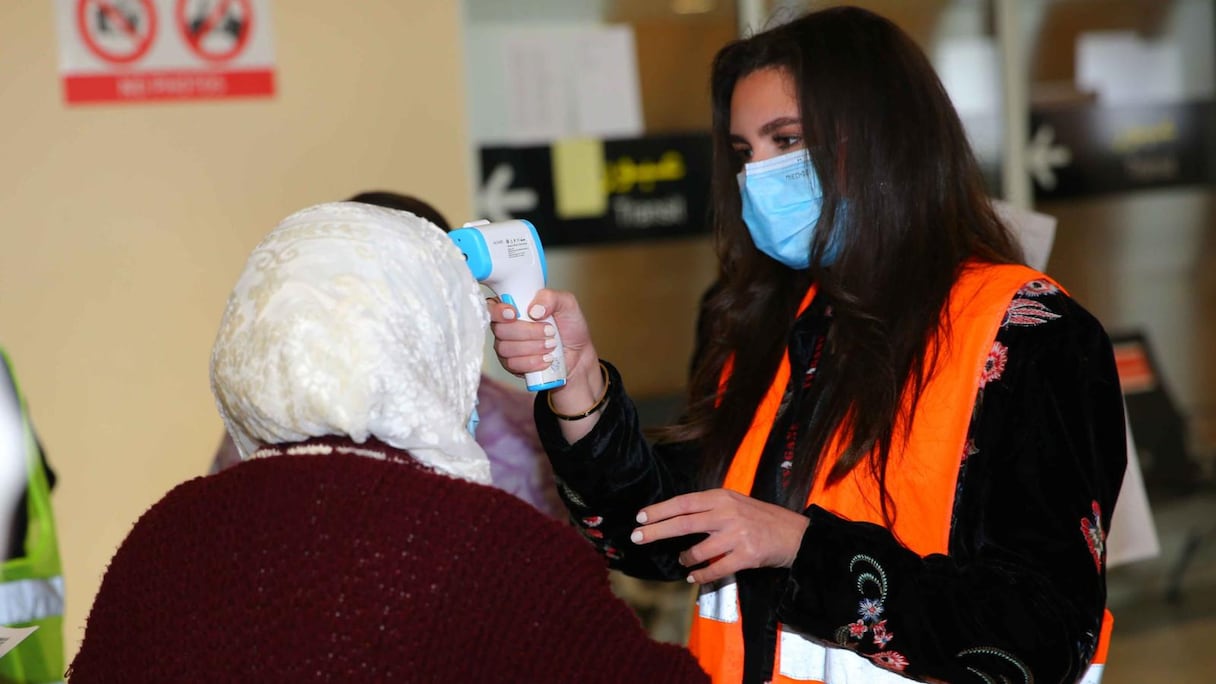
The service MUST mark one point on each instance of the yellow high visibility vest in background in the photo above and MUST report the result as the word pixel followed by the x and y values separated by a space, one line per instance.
pixel 31 585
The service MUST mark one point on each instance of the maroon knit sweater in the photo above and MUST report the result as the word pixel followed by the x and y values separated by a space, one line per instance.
pixel 343 568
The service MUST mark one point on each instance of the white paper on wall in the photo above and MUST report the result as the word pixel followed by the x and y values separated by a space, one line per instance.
pixel 535 85
pixel 537 95
pixel 1123 68
pixel 607 95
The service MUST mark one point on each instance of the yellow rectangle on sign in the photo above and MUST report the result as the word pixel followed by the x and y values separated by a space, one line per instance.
pixel 578 178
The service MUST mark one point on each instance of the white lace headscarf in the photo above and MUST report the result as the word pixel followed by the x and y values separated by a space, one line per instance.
pixel 354 320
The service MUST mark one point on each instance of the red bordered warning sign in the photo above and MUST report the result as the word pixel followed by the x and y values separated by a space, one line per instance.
pixel 122 51
pixel 217 31
pixel 117 31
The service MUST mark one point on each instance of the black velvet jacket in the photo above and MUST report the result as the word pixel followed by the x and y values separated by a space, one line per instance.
pixel 1019 597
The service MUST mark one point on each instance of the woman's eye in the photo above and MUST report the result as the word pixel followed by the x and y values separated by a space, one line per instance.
pixel 743 153
pixel 787 141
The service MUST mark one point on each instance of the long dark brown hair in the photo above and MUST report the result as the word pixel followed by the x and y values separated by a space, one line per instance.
pixel 905 202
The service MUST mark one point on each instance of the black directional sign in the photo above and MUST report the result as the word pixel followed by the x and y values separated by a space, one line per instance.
pixel 652 187
pixel 1080 151
pixel 658 186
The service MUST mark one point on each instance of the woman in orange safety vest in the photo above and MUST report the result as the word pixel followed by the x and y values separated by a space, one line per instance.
pixel 902 447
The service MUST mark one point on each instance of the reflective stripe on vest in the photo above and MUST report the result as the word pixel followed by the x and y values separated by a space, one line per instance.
pixel 28 600
pixel 924 494
pixel 800 659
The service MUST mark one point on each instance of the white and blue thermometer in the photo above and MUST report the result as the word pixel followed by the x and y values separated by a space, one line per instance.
pixel 507 257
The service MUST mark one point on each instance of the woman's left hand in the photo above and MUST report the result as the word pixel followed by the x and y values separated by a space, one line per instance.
pixel 743 532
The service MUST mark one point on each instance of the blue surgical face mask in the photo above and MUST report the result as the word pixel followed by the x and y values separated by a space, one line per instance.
pixel 782 200
pixel 473 421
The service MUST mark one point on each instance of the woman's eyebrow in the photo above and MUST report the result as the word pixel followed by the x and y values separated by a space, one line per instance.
pixel 769 128
pixel 777 124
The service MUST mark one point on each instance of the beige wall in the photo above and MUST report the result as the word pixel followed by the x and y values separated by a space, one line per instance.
pixel 125 226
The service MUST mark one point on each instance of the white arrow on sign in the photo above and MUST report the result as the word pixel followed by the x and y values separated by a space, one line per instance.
pixel 1043 155
pixel 498 200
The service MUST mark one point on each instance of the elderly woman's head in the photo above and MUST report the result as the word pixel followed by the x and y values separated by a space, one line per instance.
pixel 356 321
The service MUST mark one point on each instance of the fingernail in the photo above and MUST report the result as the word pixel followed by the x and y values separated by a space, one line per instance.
pixel 690 580
pixel 636 537
pixel 550 331
pixel 550 343
pixel 547 358
pixel 642 517
pixel 537 311
pixel 509 314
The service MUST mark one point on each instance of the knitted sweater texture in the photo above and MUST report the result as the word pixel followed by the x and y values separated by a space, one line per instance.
pixel 343 568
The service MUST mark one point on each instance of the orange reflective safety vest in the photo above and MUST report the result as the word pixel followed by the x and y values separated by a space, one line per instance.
pixel 924 494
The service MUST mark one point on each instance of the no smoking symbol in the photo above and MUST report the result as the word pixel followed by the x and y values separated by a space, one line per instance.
pixel 117 31
pixel 216 30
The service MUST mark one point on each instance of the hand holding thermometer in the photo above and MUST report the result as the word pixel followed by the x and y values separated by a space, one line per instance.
pixel 507 257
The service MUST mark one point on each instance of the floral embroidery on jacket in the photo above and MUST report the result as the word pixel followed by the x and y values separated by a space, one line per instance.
pixel 569 494
pixel 589 526
pixel 994 365
pixel 881 635
pixel 1095 538
pixel 890 660
pixel 1027 677
pixel 870 609
pixel 1038 287
pixel 1027 312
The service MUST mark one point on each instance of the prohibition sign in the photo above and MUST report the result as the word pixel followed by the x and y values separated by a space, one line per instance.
pixel 117 31
pixel 216 30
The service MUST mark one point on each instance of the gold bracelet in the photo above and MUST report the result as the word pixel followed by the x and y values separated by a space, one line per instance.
pixel 599 403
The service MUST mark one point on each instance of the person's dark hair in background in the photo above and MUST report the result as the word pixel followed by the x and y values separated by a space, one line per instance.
pixel 395 200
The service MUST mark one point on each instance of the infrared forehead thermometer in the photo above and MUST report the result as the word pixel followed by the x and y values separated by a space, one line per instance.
pixel 507 257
